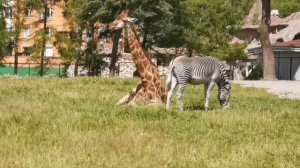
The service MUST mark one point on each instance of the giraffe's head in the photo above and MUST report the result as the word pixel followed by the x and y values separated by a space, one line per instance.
pixel 120 21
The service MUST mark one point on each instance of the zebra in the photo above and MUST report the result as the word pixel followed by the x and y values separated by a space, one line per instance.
pixel 196 70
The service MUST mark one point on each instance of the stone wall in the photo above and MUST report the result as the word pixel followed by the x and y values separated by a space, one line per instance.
pixel 125 68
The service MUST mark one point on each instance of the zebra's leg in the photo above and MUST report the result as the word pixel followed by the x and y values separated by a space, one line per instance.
pixel 208 93
pixel 205 90
pixel 171 86
pixel 179 95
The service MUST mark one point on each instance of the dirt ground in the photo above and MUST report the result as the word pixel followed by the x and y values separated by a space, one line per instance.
pixel 284 89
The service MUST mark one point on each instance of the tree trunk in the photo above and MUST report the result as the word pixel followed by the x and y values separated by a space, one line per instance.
pixel 16 62
pixel 76 67
pixel 93 50
pixel 16 39
pixel 145 37
pixel 77 60
pixel 190 52
pixel 268 55
pixel 114 55
pixel 44 39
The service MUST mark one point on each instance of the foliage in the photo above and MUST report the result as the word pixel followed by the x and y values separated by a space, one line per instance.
pixel 152 15
pixel 286 7
pixel 200 25
pixel 197 25
pixel 211 24
pixel 4 36
pixel 4 40
pixel 68 46
pixel 52 122
pixel 38 47
pixel 231 52
pixel 41 38
pixel 256 74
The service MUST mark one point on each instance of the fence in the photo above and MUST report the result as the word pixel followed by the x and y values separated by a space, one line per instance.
pixel 124 69
pixel 31 69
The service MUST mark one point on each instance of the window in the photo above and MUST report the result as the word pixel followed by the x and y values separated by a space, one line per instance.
pixel 5 11
pixel 2 12
pixel 49 51
pixel 297 37
pixel 9 28
pixel 8 12
pixel 49 13
pixel 27 50
pixel 279 40
pixel 27 12
pixel 48 32
pixel 27 32
pixel 9 24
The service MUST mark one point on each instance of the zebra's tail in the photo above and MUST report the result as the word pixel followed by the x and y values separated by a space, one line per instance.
pixel 170 74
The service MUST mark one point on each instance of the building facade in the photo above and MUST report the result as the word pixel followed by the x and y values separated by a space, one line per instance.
pixel 32 21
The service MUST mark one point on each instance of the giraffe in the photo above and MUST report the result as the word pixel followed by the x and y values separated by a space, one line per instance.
pixel 151 90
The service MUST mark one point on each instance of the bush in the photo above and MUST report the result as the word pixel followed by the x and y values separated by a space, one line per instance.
pixel 256 73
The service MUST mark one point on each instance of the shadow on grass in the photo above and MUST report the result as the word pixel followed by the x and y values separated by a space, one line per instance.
pixel 196 107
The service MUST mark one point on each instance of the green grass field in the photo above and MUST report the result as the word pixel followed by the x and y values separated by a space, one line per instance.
pixel 55 123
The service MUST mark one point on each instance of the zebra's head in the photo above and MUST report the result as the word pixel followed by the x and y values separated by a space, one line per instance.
pixel 224 95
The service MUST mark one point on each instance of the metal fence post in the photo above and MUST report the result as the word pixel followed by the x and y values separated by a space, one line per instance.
pixel 58 70
pixel 29 70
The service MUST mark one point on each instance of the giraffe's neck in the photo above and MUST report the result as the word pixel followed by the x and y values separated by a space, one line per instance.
pixel 139 56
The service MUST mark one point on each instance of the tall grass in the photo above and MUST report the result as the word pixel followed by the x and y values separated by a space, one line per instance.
pixel 52 122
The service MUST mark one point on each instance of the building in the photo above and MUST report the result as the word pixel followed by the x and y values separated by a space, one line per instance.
pixel 287 59
pixel 33 23
pixel 250 25
pixel 284 37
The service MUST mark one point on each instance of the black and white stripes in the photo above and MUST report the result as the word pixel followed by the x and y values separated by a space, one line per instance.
pixel 198 70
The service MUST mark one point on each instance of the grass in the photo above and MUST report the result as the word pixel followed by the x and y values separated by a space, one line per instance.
pixel 53 122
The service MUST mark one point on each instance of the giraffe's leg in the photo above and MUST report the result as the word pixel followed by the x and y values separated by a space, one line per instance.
pixel 129 97
pixel 179 95
pixel 126 99
pixel 171 86
pixel 208 93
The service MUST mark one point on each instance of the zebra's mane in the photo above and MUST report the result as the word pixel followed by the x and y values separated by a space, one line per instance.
pixel 224 77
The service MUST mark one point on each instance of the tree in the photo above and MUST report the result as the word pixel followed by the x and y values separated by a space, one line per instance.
pixel 4 40
pixel 17 31
pixel 69 45
pixel 148 12
pixel 286 7
pixel 198 25
pixel 41 35
pixel 210 25
pixel 268 55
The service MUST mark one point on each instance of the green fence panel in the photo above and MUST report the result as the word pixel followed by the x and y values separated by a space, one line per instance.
pixel 30 71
